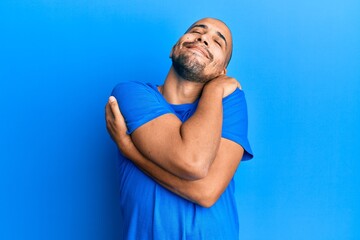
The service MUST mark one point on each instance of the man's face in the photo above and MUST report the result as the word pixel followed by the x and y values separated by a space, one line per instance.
pixel 203 52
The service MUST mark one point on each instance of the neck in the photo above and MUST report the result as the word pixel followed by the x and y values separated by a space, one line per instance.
pixel 177 90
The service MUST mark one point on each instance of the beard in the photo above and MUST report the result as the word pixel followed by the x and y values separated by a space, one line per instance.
pixel 189 68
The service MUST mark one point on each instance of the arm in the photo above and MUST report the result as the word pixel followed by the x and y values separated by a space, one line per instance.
pixel 205 191
pixel 186 149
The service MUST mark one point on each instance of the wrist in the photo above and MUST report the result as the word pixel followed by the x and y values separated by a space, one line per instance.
pixel 215 88
pixel 124 146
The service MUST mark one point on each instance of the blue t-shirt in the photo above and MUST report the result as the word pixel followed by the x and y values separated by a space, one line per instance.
pixel 149 211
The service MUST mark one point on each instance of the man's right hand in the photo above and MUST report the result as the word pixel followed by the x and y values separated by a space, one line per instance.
pixel 226 83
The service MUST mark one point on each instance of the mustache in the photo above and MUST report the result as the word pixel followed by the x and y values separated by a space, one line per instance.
pixel 196 44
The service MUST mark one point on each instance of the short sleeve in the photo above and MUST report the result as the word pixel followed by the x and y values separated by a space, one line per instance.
pixel 235 123
pixel 139 103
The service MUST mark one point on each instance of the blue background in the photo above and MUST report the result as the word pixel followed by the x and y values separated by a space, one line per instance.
pixel 298 62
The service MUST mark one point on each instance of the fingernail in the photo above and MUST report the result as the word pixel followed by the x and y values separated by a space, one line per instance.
pixel 111 99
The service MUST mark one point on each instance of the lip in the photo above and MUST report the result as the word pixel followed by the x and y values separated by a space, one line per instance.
pixel 200 49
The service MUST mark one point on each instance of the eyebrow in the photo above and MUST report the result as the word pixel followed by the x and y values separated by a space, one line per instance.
pixel 206 27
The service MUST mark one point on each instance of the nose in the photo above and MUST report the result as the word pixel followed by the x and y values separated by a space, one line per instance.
pixel 203 40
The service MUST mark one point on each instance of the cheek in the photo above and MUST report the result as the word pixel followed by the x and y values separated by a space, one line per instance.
pixel 219 58
pixel 215 64
pixel 188 38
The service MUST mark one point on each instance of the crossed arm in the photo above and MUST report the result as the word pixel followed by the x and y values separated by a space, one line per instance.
pixel 190 159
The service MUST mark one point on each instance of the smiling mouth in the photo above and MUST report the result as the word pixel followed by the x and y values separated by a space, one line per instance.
pixel 200 50
pixel 197 48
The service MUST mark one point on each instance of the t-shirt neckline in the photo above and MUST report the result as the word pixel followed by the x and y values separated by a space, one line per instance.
pixel 183 106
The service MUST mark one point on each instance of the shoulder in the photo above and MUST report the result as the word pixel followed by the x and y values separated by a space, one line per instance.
pixel 132 86
pixel 136 95
pixel 238 95
pixel 139 103
pixel 138 91
pixel 235 101
pixel 235 110
pixel 235 121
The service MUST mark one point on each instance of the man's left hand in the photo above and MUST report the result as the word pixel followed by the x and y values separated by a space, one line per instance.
pixel 116 126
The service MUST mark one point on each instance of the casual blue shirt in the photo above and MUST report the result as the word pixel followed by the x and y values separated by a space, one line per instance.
pixel 149 211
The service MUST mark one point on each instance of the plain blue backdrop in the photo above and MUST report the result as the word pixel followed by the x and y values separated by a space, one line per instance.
pixel 298 63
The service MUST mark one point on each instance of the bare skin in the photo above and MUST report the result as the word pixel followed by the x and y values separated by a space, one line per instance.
pixel 190 158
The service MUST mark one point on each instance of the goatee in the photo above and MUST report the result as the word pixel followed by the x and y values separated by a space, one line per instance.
pixel 189 68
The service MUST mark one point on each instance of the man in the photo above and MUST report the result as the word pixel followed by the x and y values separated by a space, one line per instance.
pixel 182 142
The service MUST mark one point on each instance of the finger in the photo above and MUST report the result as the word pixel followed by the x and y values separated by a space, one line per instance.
pixel 114 107
pixel 109 119
pixel 116 110
pixel 108 112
